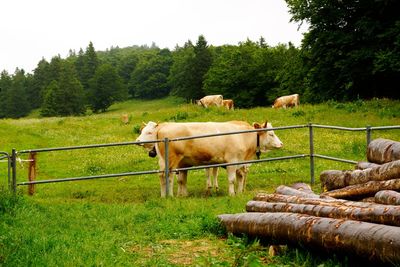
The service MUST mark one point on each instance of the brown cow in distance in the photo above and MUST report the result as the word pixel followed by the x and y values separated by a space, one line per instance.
pixel 287 101
pixel 228 104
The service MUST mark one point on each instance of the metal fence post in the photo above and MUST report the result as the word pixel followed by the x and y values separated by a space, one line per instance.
pixel 14 170
pixel 166 171
pixel 310 127
pixel 368 134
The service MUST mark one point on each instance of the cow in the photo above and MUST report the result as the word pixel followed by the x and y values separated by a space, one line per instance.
pixel 287 101
pixel 212 150
pixel 228 104
pixel 148 133
pixel 210 100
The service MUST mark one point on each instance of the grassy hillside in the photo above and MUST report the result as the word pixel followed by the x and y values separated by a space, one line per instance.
pixel 123 221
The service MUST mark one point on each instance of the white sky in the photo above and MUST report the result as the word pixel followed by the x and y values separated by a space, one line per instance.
pixel 33 29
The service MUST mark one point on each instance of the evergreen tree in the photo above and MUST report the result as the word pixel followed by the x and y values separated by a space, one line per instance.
pixel 16 101
pixel 40 80
pixel 201 64
pixel 106 87
pixel 49 106
pixel 5 87
pixel 65 96
pixel 179 77
pixel 150 78
pixel 90 64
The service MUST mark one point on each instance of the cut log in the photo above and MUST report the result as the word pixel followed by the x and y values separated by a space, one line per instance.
pixel 360 191
pixel 368 240
pixel 333 179
pixel 388 197
pixel 362 165
pixel 314 201
pixel 383 150
pixel 286 190
pixel 380 214
pixel 303 187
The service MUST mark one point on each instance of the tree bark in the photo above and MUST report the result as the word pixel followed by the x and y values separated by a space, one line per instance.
pixel 286 190
pixel 333 179
pixel 360 191
pixel 362 165
pixel 388 197
pixel 367 240
pixel 303 187
pixel 383 150
pixel 314 201
pixel 380 214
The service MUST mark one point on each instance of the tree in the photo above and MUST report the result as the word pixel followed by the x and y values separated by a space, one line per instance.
pixel 5 87
pixel 352 48
pixel 49 106
pixel 65 96
pixel 150 78
pixel 90 64
pixel 16 103
pixel 106 87
pixel 179 77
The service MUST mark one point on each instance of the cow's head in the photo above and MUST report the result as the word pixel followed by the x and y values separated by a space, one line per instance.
pixel 148 133
pixel 268 139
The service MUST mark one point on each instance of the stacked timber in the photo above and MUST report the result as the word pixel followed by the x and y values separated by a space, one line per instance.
pixel 334 221
pixel 295 215
pixel 381 173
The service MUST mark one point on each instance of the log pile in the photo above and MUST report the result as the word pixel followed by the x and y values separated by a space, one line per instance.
pixel 336 220
pixel 290 216
pixel 380 173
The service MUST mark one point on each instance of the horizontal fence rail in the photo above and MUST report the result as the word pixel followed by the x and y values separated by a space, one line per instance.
pixel 12 159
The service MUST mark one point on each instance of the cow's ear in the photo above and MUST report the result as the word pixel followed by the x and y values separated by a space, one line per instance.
pixel 256 125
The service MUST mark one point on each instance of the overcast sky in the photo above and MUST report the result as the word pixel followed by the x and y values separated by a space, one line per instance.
pixel 33 29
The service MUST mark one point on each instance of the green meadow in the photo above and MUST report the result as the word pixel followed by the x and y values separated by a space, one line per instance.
pixel 124 222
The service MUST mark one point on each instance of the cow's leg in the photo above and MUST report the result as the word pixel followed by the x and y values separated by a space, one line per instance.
pixel 163 189
pixel 162 185
pixel 209 184
pixel 241 176
pixel 231 170
pixel 215 174
pixel 182 183
pixel 171 184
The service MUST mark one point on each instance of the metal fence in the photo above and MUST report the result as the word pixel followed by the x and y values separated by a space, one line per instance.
pixel 12 159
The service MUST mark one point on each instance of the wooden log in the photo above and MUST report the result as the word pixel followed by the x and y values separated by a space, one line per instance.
pixel 368 240
pixel 333 179
pixel 380 214
pixel 314 201
pixel 362 165
pixel 303 187
pixel 388 197
pixel 360 191
pixel 383 150
pixel 286 190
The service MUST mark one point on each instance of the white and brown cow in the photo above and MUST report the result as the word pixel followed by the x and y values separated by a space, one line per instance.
pixel 148 132
pixel 287 101
pixel 211 150
pixel 210 100
pixel 228 104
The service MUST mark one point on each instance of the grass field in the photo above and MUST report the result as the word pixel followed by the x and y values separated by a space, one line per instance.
pixel 124 222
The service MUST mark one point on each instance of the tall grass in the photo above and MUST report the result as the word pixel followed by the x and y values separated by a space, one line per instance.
pixel 124 222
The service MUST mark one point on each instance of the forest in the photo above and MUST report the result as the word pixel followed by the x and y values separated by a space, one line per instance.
pixel 350 52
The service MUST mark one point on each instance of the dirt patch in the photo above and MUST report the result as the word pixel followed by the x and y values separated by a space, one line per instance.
pixel 186 252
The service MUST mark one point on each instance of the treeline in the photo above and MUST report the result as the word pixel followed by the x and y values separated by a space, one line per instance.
pixel 352 51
